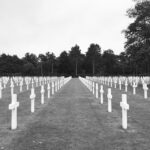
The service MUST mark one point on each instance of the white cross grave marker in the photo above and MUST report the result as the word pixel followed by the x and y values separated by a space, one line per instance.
pixel 109 96
pixel 101 93
pixel 93 88
pixel 52 88
pixel 42 94
pixel 134 88
pixel 57 84
pixel 48 90
pixel 124 107
pixel 32 97
pixel 13 106
pixel 145 88
pixel 96 90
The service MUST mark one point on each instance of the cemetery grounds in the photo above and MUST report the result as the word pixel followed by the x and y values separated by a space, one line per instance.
pixel 73 119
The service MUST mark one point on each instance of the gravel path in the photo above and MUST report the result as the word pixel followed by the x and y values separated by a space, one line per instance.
pixel 73 120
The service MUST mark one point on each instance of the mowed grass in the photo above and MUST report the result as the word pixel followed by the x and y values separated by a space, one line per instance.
pixel 137 136
pixel 75 120
pixel 24 115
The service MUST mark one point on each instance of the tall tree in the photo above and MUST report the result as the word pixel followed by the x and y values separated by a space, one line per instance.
pixel 30 58
pixel 10 65
pixel 51 61
pixel 93 58
pixel 64 66
pixel 47 63
pixel 74 55
pixel 138 36
pixel 42 59
pixel 109 62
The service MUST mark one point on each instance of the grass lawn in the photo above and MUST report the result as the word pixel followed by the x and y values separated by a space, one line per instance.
pixel 74 120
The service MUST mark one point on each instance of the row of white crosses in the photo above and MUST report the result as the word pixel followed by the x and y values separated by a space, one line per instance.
pixel 3 83
pixel 95 90
pixel 21 81
pixel 32 96
pixel 5 80
pixel 14 104
pixel 28 80
pixel 56 85
pixel 91 86
pixel 133 81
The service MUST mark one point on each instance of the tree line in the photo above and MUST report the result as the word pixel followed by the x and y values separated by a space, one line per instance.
pixel 135 60
pixel 73 62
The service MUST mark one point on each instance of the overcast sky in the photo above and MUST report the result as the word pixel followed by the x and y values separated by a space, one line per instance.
pixel 38 26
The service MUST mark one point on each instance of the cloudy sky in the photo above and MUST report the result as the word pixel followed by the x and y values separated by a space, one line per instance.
pixel 38 26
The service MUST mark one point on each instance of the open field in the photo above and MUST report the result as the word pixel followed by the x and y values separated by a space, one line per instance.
pixel 74 120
